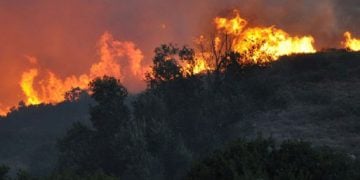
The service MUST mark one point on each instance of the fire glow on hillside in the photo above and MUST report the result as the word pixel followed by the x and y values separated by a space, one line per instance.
pixel 258 45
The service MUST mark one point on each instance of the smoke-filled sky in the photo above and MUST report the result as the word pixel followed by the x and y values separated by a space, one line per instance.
pixel 63 35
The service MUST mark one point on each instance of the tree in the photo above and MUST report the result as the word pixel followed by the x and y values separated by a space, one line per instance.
pixel 110 112
pixel 24 175
pixel 119 144
pixel 68 175
pixel 76 149
pixel 74 94
pixel 261 159
pixel 113 145
pixel 171 156
pixel 4 170
pixel 167 64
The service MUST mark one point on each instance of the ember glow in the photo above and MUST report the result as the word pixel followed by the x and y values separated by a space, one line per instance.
pixel 52 88
pixel 351 43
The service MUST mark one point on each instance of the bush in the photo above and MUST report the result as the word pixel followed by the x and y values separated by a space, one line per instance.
pixel 4 170
pixel 74 176
pixel 260 159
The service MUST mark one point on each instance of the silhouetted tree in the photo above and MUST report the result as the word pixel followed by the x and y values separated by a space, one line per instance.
pixel 74 94
pixel 114 145
pixel 68 175
pixel 164 144
pixel 261 159
pixel 24 175
pixel 110 112
pixel 167 64
pixel 4 170
pixel 76 149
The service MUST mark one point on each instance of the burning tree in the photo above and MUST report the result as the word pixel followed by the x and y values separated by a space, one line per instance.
pixel 257 45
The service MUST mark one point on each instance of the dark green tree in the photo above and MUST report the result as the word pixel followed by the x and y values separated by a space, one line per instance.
pixel 24 175
pixel 69 175
pixel 164 144
pixel 76 149
pixel 110 113
pixel 4 170
pixel 113 144
pixel 262 159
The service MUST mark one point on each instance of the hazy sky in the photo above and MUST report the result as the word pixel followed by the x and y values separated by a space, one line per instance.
pixel 63 34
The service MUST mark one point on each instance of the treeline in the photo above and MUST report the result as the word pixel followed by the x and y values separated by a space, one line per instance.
pixel 171 130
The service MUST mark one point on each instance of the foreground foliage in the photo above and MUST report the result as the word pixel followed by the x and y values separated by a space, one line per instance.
pixel 183 117
pixel 261 159
pixel 66 175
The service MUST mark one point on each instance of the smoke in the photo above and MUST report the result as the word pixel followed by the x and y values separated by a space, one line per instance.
pixel 62 35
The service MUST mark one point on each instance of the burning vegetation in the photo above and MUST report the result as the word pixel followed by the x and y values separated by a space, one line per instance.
pixel 241 79
pixel 52 88
pixel 351 43
pixel 259 44
pixel 256 45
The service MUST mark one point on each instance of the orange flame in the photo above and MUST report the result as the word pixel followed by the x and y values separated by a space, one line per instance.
pixel 52 88
pixel 27 86
pixel 199 65
pixel 256 44
pixel 268 44
pixel 260 44
pixel 231 26
pixel 351 43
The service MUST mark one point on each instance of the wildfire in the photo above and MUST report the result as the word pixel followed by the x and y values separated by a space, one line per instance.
pixel 198 66
pixel 260 44
pixel 122 60
pixel 52 88
pixel 231 26
pixel 27 82
pixel 256 44
pixel 351 43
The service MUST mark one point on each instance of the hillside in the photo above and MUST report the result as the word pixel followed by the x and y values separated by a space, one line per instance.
pixel 311 97
pixel 28 135
pixel 317 96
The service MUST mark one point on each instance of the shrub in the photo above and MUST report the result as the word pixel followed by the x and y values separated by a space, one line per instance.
pixel 260 159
